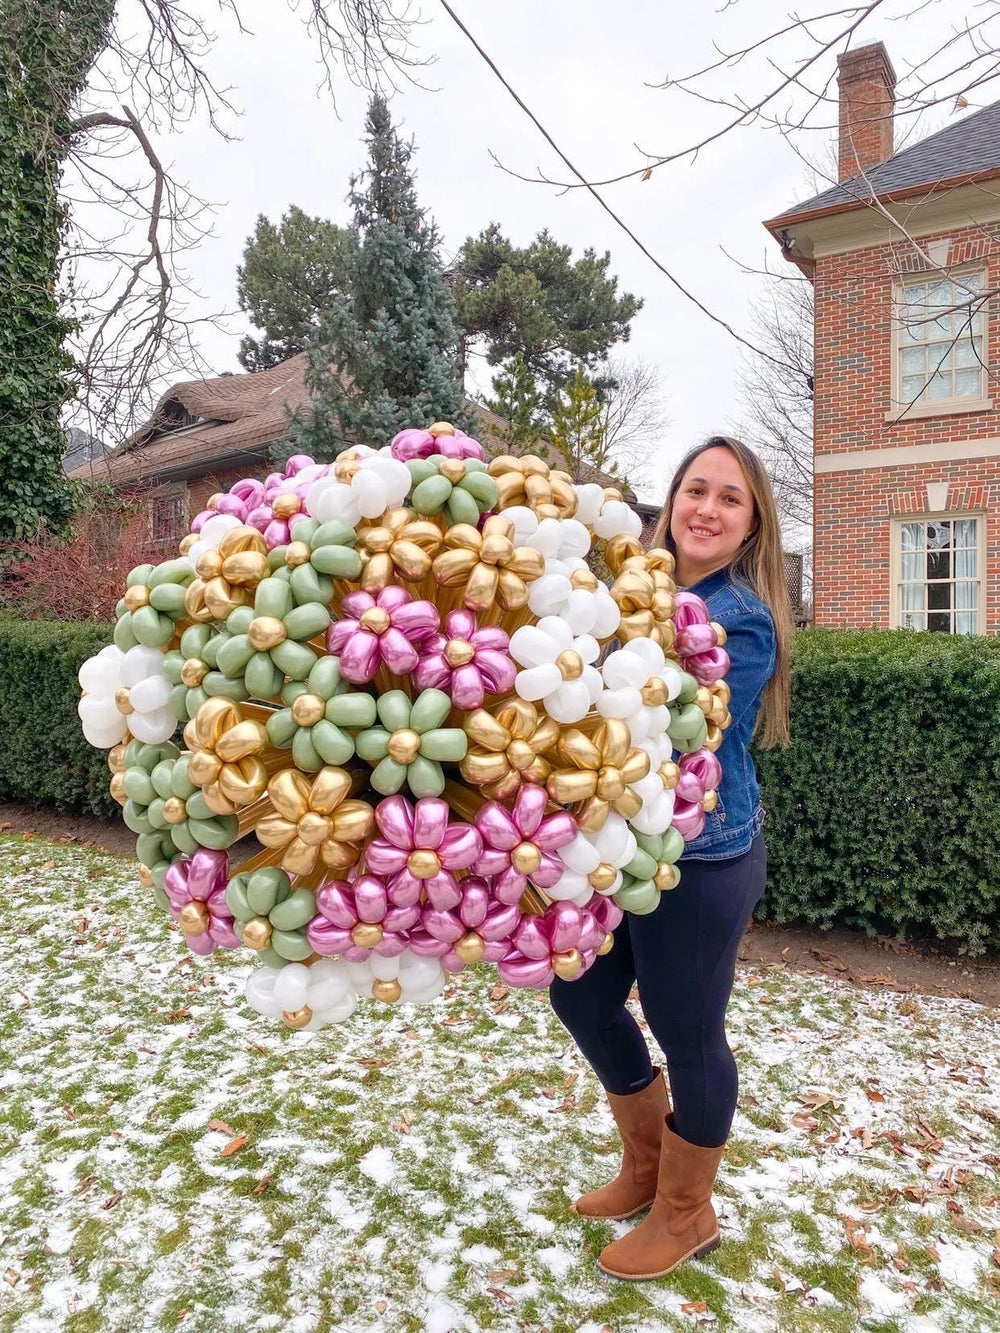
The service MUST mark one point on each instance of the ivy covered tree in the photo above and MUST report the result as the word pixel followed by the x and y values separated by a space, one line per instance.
pixel 539 303
pixel 46 51
pixel 386 357
pixel 517 399
pixel 290 276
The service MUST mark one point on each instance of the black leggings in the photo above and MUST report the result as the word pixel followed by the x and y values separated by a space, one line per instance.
pixel 683 957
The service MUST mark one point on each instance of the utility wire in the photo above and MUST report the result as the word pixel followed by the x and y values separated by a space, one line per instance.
pixel 618 221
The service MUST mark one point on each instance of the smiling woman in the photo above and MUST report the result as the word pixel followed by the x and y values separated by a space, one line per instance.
pixel 720 524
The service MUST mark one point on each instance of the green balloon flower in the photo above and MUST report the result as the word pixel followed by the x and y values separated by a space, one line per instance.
pixel 162 800
pixel 153 601
pixel 193 671
pixel 651 871
pixel 270 916
pixel 317 554
pixel 322 712
pixel 266 643
pixel 688 727
pixel 411 743
pixel 460 488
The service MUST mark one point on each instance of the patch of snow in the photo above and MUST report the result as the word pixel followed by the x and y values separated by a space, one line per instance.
pixel 379 1165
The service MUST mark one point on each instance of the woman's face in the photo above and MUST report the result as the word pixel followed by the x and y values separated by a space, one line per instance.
pixel 713 514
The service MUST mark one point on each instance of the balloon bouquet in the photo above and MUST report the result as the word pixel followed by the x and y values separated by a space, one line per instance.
pixel 389 670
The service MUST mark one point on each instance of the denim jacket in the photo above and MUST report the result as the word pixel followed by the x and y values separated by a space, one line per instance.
pixel 736 821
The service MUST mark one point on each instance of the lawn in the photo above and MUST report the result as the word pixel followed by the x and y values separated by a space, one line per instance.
pixel 169 1159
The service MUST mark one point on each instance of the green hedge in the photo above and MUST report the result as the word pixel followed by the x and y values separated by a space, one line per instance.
pixel 43 756
pixel 884 813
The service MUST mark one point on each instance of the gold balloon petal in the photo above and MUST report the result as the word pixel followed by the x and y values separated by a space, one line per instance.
pixel 479 768
pixel 592 815
pixel 330 786
pixel 628 804
pixel 298 857
pixel 481 588
pixel 242 540
pixel 353 821
pixel 289 791
pixel 568 786
pixel 274 831
pixel 613 740
pixel 245 738
pixel 579 750
pixel 486 730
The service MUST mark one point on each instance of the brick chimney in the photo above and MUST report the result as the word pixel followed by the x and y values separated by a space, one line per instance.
pixel 867 83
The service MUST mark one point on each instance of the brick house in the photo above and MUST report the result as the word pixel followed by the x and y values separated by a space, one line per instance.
pixel 904 257
pixel 206 434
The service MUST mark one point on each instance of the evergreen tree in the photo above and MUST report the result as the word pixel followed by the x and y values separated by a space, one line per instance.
pixel 518 400
pixel 386 357
pixel 578 432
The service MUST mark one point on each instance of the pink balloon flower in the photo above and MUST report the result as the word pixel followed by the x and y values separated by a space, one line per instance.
pixel 697 643
pixel 353 920
pixel 387 630
pixel 565 937
pixel 518 844
pixel 479 923
pixel 196 890
pixel 421 850
pixel 412 443
pixel 700 772
pixel 467 662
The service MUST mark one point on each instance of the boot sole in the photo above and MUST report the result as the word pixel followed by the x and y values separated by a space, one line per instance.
pixel 700 1252
pixel 612 1217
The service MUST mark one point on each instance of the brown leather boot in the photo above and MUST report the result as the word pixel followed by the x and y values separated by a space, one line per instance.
pixel 639 1117
pixel 681 1223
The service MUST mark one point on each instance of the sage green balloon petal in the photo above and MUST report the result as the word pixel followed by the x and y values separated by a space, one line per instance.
pixel 291 691
pixel 262 894
pixel 338 562
pixel 168 598
pixel 124 635
pixel 394 710
pixel 154 813
pixel 430 496
pixel 283 575
pixel 234 655
pixel 173 665
pixel 351 710
pixel 160 776
pixel 171 571
pixel 689 688
pixel 429 710
pixel 640 898
pixel 305 622
pixel 671 845
pixel 333 745
pixel 685 722
pixel 184 838
pixel 651 844
pixel 159 873
pixel 694 742
pixel 372 745
pixel 281 728
pixel 425 778
pixel 334 533
pixel 190 702
pixel 272 598
pixel 294 659
pixel 642 866
pixel 195 639
pixel 139 575
pixel 462 508
pixel 304 754
pixel 324 678
pixel 138 786
pixel 151 848
pixel 236 898
pixel 239 621
pixel 303 529
pixel 268 958
pixel 296 911
pixel 309 586
pixel 218 686
pixel 262 678
pixel 388 777
pixel 180 784
pixel 447 744
pixel 197 808
pixel 290 946
pixel 151 629
pixel 136 818
pixel 218 833
pixel 420 469
pixel 276 558
pixel 482 487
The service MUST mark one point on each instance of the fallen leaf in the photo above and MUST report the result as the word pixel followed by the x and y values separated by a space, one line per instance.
pixel 569 1080
pixel 802 1121
pixel 504 1297
pixel 234 1145
pixel 817 1100
pixel 502 1274
pixel 877 979
pixel 381 1306
pixel 263 1184
pixel 12 1277
pixel 857 1239
pixel 874 1095
pixel 828 959
pixel 110 1202
pixel 222 1128
pixel 694 1307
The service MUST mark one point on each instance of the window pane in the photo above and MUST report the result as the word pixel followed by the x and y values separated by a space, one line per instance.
pixel 939 596
pixel 914 293
pixel 965 622
pixel 967 352
pixel 912 570
pixel 938 535
pixel 965 532
pixel 938 565
pixel 914 362
pixel 913 536
pixel 940 384
pixel 912 386
pixel 911 333
pixel 968 383
pixel 939 622
pixel 914 620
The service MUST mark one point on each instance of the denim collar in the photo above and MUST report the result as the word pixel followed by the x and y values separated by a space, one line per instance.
pixel 712 583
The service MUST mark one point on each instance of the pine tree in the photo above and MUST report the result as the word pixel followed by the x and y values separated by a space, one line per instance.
pixel 386 358
pixel 519 401
pixel 578 431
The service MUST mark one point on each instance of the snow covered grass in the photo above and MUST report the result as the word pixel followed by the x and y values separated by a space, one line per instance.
pixel 168 1159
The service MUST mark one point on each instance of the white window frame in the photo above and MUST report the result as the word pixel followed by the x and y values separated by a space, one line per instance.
pixel 934 407
pixel 896 561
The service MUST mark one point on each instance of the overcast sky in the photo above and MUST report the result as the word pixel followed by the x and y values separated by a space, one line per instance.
pixel 583 67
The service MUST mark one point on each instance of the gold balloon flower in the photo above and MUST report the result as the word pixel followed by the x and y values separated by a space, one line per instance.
pixel 644 590
pixel 227 576
pixel 507 748
pixel 528 480
pixel 398 546
pixel 225 755
pixel 488 565
pixel 313 820
pixel 599 771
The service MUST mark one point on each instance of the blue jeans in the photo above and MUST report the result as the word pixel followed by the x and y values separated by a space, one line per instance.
pixel 683 957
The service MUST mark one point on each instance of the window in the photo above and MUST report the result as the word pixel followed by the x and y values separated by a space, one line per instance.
pixel 939 585
pixel 940 346
pixel 169 516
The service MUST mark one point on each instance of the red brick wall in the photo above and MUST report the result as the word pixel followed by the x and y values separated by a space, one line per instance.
pixel 853 510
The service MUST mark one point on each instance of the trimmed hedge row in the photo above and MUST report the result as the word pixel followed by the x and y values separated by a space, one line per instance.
pixel 43 756
pixel 884 813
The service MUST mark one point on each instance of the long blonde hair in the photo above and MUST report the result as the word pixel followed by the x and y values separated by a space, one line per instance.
pixel 758 563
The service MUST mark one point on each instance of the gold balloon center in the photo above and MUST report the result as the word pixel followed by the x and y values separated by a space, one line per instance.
pixel 174 810
pixel 709 801
pixel 610 784
pixel 297 1019
pixel 297 553
pixel 607 944
pixel 145 876
pixel 314 828
pixel 117 788
pixel 136 597
pixel 404 746
pixel 376 620
pixel 654 692
pixel 458 652
pixel 378 540
pixel 452 469
pixel 469 948
pixel 194 918
pixel 422 863
pixel 496 549
pixel 116 758
pixel 666 877
pixel 520 755
pixel 123 701
pixel 193 672
pixel 209 565
pixel 257 933
pixel 526 858
pixel 603 877
pixel 585 579
pixel 389 992
pixel 669 774
pixel 286 505
pixel 366 934
pixel 266 632
pixel 570 665
pixel 720 633
pixel 307 710
pixel 441 428
pixel 567 965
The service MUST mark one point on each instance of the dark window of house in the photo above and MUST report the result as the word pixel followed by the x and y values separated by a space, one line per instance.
pixel 169 516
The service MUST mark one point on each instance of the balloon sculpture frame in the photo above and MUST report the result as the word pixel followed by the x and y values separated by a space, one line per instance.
pixel 452 742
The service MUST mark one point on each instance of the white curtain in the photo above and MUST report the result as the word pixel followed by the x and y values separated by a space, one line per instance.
pixel 913 590
pixel 966 582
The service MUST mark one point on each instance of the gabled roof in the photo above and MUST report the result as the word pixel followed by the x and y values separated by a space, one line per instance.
pixel 969 149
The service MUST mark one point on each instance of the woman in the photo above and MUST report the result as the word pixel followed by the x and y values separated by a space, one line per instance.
pixel 721 524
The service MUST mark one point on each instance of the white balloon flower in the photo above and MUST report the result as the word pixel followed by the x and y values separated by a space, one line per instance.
pixel 657 800
pixel 570 590
pixel 606 518
pixel 406 978
pixel 125 691
pixel 212 532
pixel 640 681
pixel 557 668
pixel 380 483
pixel 593 862
pixel 326 988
